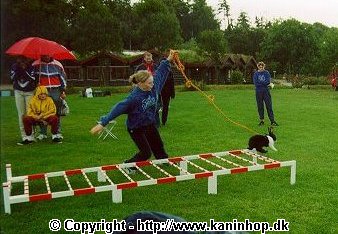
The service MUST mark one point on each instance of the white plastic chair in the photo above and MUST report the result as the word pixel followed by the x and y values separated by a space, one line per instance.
pixel 108 130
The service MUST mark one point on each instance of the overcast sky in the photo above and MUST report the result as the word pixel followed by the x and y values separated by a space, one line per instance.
pixel 309 11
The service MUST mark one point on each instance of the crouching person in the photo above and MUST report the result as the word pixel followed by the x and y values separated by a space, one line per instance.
pixel 41 111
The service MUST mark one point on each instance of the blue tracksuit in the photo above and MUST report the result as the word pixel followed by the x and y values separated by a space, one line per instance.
pixel 261 80
pixel 140 106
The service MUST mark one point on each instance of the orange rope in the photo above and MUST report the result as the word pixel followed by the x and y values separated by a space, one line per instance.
pixel 210 98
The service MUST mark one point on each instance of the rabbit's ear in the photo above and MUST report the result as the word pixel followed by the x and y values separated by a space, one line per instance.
pixel 270 129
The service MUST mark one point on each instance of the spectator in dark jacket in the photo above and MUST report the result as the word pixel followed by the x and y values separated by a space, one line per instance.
pixel 24 85
pixel 167 93
pixel 147 64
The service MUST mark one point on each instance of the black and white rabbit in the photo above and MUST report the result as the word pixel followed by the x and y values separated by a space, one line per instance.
pixel 259 141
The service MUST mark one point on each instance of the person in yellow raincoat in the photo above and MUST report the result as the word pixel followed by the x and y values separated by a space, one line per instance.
pixel 41 111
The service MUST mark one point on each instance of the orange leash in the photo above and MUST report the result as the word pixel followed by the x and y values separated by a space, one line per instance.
pixel 210 98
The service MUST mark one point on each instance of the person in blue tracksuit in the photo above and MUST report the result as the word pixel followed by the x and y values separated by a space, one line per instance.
pixel 262 81
pixel 140 107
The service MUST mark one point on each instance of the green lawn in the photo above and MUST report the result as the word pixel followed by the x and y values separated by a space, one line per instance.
pixel 307 133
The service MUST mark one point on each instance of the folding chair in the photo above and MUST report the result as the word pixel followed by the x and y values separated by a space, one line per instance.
pixel 108 130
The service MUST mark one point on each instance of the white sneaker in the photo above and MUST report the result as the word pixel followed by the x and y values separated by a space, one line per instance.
pixel 41 137
pixel 59 135
pixel 129 170
pixel 31 138
pixel 56 138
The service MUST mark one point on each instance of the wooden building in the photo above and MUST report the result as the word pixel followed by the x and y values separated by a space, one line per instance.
pixel 105 69
pixel 112 69
pixel 74 72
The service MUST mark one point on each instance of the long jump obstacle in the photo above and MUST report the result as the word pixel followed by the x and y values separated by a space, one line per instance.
pixel 209 165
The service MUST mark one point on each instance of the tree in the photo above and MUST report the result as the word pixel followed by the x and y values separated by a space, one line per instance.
pixel 182 10
pixel 261 23
pixel 22 19
pixel 243 21
pixel 94 28
pixel 224 8
pixel 121 10
pixel 202 18
pixel 213 44
pixel 328 50
pixel 290 44
pixel 243 39
pixel 156 26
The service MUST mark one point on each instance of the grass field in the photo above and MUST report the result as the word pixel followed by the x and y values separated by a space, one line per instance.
pixel 307 133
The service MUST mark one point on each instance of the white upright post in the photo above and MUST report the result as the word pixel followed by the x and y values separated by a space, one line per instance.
pixel 254 159
pixel 212 184
pixel 6 189
pixel 184 167
pixel 101 176
pixel 9 171
pixel 293 173
pixel 117 195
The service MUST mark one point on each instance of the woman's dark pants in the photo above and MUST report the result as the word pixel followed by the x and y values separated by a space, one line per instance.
pixel 148 140
pixel 263 96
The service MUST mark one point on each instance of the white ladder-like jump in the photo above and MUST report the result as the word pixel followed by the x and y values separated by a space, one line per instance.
pixel 228 162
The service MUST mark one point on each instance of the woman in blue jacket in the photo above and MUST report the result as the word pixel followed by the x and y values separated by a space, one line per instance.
pixel 140 106
pixel 262 81
pixel 24 85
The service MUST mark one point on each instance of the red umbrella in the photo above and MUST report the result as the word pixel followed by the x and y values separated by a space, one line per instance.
pixel 34 47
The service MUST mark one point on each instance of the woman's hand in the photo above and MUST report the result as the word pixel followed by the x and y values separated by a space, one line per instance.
pixel 171 55
pixel 97 129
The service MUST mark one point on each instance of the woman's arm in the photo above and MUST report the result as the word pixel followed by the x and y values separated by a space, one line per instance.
pixel 162 71
pixel 161 75
pixel 117 110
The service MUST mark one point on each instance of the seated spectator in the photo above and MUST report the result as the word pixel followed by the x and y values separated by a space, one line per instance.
pixel 50 73
pixel 41 111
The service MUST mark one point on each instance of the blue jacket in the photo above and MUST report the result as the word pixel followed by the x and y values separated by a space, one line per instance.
pixel 140 106
pixel 261 80
pixel 22 79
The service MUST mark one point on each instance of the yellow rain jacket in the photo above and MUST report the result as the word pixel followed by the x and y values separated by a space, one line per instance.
pixel 38 106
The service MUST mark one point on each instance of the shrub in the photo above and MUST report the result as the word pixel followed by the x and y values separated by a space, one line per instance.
pixel 237 77
pixel 299 81
pixel 315 81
